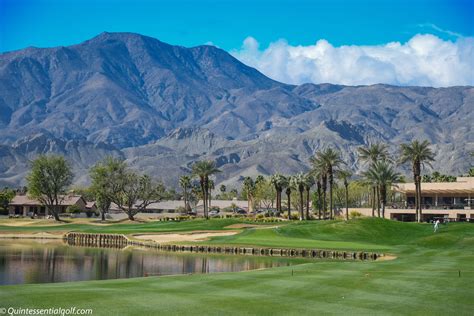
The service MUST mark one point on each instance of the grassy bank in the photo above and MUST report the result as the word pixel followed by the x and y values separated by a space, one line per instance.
pixel 424 279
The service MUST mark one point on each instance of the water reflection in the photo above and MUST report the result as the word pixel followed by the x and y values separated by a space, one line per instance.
pixel 52 261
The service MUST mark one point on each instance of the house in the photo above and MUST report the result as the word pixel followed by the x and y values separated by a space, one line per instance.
pixel 453 200
pixel 91 206
pixel 24 205
pixel 223 204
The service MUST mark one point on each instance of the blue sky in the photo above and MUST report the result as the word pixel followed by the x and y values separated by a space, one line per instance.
pixel 46 23
pixel 416 42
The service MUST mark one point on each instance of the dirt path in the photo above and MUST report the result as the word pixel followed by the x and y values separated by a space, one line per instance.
pixel 177 237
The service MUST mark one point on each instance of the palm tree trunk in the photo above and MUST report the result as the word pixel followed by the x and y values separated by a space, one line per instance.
pixel 209 198
pixel 307 204
pixel 378 201
pixel 347 202
pixel 301 205
pixel 325 207
pixel 318 184
pixel 415 178
pixel 205 200
pixel 278 201
pixel 383 199
pixel 185 200
pixel 419 200
pixel 373 200
pixel 331 209
pixel 289 205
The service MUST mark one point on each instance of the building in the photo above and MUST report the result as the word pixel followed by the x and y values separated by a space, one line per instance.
pixel 26 206
pixel 223 204
pixel 454 200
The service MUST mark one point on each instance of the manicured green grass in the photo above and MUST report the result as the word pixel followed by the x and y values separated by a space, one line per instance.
pixel 423 280
pixel 274 238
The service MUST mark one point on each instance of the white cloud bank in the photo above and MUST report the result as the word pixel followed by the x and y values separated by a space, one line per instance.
pixel 425 60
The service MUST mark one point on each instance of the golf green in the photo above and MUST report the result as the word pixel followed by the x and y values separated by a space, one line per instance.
pixel 433 274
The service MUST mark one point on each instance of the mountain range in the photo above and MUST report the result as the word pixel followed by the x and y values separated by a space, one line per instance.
pixel 162 107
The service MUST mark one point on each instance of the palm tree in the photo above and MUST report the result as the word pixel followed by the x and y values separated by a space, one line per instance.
pixel 259 179
pixel 249 188
pixel 203 169
pixel 345 175
pixel 383 174
pixel 371 154
pixel 279 182
pixel 299 182
pixel 419 154
pixel 309 182
pixel 185 184
pixel 330 160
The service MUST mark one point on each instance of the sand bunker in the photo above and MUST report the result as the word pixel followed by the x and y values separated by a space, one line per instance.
pixel 386 258
pixel 194 236
pixel 40 235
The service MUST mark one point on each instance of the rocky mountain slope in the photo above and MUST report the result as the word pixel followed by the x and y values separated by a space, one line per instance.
pixel 162 107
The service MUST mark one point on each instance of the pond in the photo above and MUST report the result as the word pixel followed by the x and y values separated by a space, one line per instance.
pixel 46 261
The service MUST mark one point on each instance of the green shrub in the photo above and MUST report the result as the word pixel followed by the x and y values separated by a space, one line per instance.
pixel 181 210
pixel 294 217
pixel 74 209
pixel 355 214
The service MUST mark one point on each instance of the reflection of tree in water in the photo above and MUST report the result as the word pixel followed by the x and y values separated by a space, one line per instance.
pixel 101 265
pixel 204 265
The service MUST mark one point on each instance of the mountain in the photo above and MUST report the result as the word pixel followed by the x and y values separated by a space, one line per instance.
pixel 162 107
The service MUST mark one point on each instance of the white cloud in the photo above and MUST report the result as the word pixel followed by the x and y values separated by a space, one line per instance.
pixel 425 60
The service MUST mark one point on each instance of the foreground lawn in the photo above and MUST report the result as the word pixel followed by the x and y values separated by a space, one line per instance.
pixel 423 280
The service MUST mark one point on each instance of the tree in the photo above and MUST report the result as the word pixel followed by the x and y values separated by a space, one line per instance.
pixel 249 188
pixel 48 180
pixel 132 193
pixel 100 174
pixel 6 196
pixel 135 192
pixel 223 188
pixel 203 169
pixel 299 183
pixel 185 184
pixel 418 154
pixel 344 176
pixel 370 155
pixel 383 174
pixel 330 160
pixel 279 182
pixel 264 193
